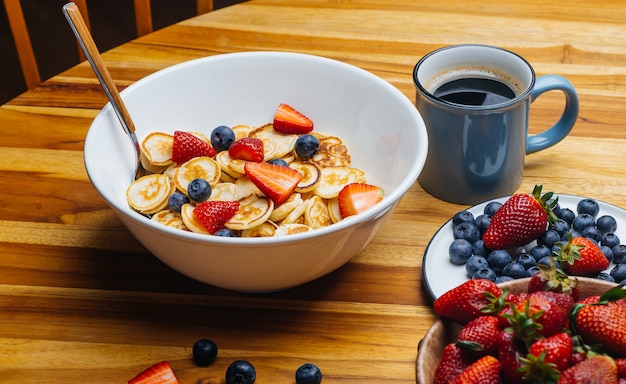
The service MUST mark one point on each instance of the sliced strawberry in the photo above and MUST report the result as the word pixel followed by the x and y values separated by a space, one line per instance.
pixel 187 146
pixel 213 214
pixel 355 198
pixel 276 181
pixel 247 148
pixel 288 120
pixel 159 373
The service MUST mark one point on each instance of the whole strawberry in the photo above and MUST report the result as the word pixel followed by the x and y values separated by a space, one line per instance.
pixel 453 361
pixel 479 336
pixel 520 220
pixel 581 256
pixel 510 354
pixel 485 370
pixel 551 278
pixel 466 301
pixel 603 323
pixel 599 369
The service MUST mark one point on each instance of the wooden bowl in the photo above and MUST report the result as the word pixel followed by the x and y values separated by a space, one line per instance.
pixel 444 331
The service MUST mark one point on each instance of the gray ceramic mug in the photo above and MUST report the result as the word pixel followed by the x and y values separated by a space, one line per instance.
pixel 475 102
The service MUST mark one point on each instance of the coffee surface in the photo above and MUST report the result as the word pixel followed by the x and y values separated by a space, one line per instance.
pixel 475 91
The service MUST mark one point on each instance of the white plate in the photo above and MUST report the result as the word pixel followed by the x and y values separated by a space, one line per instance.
pixel 440 275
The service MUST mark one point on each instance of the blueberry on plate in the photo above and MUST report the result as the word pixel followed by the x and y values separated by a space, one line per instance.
pixel 619 253
pixel 540 251
pixel 308 373
pixel 204 352
pixel 588 206
pixel 619 272
pixel 240 372
pixel 532 271
pixel 606 224
pixel 475 263
pixel 306 146
pixel 605 276
pixel 466 230
pixel 548 238
pixel 459 251
pixel 199 190
pixel 609 239
pixel 485 273
pixel 498 259
pixel 561 226
pixel 565 214
pixel 479 248
pixel 515 270
pixel 492 207
pixel 222 137
pixel 526 260
pixel 482 222
pixel 583 221
pixel 608 252
pixel 462 217
pixel 502 279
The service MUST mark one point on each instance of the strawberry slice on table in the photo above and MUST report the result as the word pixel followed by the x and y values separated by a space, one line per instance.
pixel 581 256
pixel 187 146
pixel 213 214
pixel 247 148
pixel 288 120
pixel 159 373
pixel 276 181
pixel 355 198
pixel 520 220
pixel 466 301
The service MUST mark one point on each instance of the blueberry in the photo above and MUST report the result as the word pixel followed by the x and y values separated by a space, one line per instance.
pixel 491 208
pixel 532 271
pixel 565 214
pixel 279 162
pixel 588 206
pixel 482 222
pixel 540 251
pixel 225 232
pixel 526 260
pixel 240 372
pixel 605 276
pixel 199 190
pixel 619 272
pixel 502 279
pixel 308 374
pixel 177 200
pixel 572 232
pixel 475 263
pixel 459 251
pixel 204 352
pixel 609 239
pixel 606 224
pixel 306 146
pixel 583 221
pixel 561 226
pixel 466 230
pixel 608 252
pixel 515 270
pixel 591 233
pixel 619 254
pixel 222 137
pixel 485 273
pixel 479 248
pixel 548 261
pixel 462 217
pixel 548 238
pixel 498 259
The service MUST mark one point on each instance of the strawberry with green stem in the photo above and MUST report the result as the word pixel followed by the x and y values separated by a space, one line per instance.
pixel 520 220
pixel 551 278
pixel 581 256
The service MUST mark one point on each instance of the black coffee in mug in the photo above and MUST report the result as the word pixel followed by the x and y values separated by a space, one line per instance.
pixel 475 91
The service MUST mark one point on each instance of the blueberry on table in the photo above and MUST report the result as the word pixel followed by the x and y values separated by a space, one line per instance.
pixel 222 137
pixel 199 190
pixel 606 224
pixel 462 217
pixel 204 352
pixel 588 206
pixel 306 146
pixel 240 372
pixel 308 374
pixel 459 251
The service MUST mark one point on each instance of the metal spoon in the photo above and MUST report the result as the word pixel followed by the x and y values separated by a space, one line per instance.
pixel 76 21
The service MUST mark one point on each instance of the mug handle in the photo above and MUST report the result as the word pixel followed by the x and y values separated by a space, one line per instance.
pixel 565 124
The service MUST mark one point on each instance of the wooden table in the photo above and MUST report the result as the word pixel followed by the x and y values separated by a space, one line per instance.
pixel 81 301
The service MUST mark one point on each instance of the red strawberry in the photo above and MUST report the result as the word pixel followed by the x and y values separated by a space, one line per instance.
pixel 355 198
pixel 479 336
pixel 581 256
pixel 464 302
pixel 603 323
pixel 247 148
pixel 556 349
pixel 485 370
pixel 453 362
pixel 288 120
pixel 544 313
pixel 521 219
pixel 510 353
pixel 275 181
pixel 213 214
pixel 187 146
pixel 598 369
pixel 159 373
pixel 621 367
pixel 550 278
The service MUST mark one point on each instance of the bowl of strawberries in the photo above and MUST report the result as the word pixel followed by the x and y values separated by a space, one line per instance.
pixel 529 330
pixel 265 170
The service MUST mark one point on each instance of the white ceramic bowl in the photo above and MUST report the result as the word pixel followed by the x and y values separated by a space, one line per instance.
pixel 380 126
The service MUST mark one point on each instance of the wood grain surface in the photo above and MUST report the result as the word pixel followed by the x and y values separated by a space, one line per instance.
pixel 81 301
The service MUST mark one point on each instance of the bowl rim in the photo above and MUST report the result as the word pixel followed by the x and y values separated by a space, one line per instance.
pixel 389 200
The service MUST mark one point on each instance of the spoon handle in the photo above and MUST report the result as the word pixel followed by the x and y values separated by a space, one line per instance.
pixel 76 21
